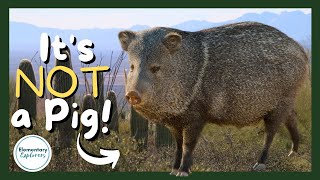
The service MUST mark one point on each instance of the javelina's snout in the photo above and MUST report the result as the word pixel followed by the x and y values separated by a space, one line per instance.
pixel 133 97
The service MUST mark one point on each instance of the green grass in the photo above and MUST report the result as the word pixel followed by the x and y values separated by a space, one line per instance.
pixel 220 148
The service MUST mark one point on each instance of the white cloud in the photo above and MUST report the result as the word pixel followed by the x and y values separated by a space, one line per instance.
pixel 125 18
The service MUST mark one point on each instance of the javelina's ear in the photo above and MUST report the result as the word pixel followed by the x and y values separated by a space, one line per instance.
pixel 125 38
pixel 172 41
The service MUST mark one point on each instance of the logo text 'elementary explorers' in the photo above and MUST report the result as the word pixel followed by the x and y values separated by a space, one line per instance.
pixel 32 153
pixel 88 118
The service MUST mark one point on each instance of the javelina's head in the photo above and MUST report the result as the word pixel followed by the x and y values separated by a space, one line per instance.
pixel 152 84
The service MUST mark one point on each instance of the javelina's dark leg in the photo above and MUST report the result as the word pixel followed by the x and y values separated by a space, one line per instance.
pixel 291 125
pixel 270 132
pixel 190 137
pixel 272 122
pixel 177 133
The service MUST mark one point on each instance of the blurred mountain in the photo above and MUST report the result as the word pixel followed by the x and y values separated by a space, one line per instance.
pixel 295 24
pixel 25 37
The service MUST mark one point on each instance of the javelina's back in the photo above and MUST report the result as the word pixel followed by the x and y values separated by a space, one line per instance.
pixel 248 68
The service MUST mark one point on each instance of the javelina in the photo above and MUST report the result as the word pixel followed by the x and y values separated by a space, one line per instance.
pixel 235 74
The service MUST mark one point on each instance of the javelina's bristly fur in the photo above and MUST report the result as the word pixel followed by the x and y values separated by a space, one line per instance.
pixel 235 74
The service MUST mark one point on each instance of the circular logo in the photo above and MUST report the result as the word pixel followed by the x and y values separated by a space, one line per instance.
pixel 32 153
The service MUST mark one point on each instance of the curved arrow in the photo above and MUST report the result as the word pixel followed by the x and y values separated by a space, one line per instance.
pixel 107 156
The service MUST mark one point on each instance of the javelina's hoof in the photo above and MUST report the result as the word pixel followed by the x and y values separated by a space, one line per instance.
pixel 182 174
pixel 259 167
pixel 174 172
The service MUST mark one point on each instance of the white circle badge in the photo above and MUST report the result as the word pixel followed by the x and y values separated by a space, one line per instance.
pixel 32 153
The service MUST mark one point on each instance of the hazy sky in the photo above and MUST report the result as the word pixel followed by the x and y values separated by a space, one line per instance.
pixel 125 18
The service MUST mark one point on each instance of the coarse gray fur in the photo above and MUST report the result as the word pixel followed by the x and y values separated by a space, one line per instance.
pixel 237 74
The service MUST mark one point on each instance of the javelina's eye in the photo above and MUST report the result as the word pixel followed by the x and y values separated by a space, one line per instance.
pixel 155 69
pixel 131 67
